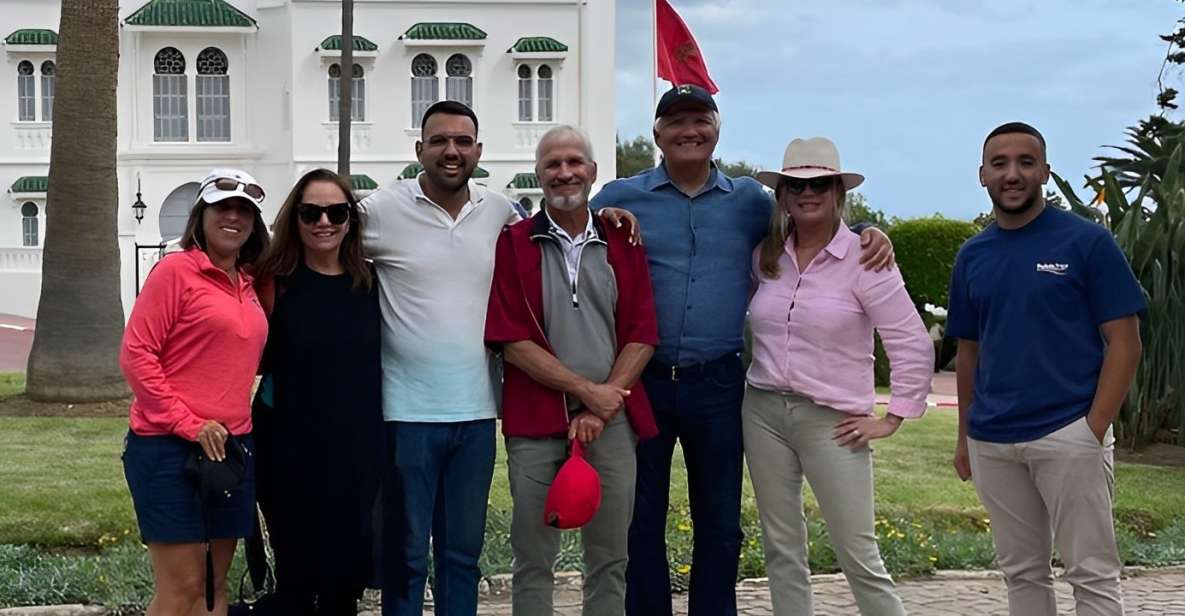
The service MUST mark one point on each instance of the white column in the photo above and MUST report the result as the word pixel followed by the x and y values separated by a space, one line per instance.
pixel 597 65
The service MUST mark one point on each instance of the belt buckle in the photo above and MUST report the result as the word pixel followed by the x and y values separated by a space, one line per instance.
pixel 675 374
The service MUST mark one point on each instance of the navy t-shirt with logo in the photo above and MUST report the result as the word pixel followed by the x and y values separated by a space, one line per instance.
pixel 1034 298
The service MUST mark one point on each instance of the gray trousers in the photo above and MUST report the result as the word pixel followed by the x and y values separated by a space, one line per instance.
pixel 533 464
pixel 1056 490
pixel 787 439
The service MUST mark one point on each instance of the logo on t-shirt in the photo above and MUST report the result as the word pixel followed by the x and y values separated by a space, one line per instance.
pixel 1058 269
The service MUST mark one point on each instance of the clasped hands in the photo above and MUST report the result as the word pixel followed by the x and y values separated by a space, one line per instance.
pixel 602 402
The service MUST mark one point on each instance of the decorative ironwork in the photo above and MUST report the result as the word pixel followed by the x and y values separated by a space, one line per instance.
pixel 211 62
pixel 169 61
pixel 423 65
pixel 458 66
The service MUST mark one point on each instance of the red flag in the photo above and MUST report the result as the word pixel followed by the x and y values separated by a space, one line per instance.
pixel 679 59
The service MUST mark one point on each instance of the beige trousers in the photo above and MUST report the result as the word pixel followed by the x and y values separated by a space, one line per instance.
pixel 787 439
pixel 1056 490
pixel 533 464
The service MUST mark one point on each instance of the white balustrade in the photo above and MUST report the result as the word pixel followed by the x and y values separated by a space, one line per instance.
pixel 527 136
pixel 33 136
pixel 359 132
pixel 20 260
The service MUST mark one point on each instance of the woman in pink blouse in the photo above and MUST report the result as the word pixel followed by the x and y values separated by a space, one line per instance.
pixel 808 409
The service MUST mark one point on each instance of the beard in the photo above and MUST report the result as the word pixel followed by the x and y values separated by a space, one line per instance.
pixel 569 202
pixel 1025 205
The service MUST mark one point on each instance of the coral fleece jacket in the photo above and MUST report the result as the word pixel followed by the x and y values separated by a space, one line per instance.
pixel 191 348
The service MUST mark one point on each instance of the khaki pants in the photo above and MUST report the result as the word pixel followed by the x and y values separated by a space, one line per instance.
pixel 533 464
pixel 787 439
pixel 1056 490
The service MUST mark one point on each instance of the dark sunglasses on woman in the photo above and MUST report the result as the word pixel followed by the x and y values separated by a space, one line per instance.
pixel 818 186
pixel 310 213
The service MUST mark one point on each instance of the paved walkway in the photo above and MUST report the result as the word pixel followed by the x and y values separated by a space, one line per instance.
pixel 1152 593
pixel 16 338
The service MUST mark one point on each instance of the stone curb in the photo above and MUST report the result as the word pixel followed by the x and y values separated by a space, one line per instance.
pixel 56 610
pixel 500 585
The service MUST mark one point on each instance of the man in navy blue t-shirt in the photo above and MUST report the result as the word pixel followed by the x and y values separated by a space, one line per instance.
pixel 1046 311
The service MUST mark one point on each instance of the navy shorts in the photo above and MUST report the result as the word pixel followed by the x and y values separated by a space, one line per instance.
pixel 166 500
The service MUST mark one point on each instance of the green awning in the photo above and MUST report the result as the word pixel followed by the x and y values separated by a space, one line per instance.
pixel 524 181
pixel 449 31
pixel 361 43
pixel 414 169
pixel 31 184
pixel 361 181
pixel 537 44
pixel 190 13
pixel 30 36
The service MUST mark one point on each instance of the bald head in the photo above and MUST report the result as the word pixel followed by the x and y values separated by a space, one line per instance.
pixel 564 133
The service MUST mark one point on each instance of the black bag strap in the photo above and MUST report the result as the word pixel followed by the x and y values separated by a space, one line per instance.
pixel 204 500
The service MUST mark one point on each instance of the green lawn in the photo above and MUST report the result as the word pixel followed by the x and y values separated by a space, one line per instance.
pixel 62 488
pixel 11 383
pixel 62 484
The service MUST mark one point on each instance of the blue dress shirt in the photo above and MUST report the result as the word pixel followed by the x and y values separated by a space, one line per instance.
pixel 700 250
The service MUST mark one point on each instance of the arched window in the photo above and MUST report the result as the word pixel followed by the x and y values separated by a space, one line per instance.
pixel 48 71
pixel 526 98
pixel 212 86
pixel 26 98
pixel 29 225
pixel 459 85
pixel 425 88
pixel 546 97
pixel 170 111
pixel 357 96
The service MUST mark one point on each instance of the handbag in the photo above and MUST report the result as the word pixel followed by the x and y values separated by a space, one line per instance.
pixel 211 478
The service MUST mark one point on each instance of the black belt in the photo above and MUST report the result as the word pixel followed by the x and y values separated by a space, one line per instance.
pixel 691 372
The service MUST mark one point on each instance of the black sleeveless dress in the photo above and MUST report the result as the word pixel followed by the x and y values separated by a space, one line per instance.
pixel 324 442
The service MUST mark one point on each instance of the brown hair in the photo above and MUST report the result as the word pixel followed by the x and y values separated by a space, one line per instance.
pixel 781 226
pixel 286 249
pixel 195 236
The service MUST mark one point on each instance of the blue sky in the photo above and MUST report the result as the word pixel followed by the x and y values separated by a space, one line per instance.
pixel 909 88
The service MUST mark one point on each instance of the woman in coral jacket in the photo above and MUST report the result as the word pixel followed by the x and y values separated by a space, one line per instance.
pixel 190 353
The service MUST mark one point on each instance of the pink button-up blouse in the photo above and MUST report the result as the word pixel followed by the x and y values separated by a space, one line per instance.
pixel 812 331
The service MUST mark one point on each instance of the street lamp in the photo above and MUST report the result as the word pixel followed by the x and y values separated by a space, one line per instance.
pixel 139 206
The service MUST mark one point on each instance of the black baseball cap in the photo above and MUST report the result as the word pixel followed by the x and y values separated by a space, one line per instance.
pixel 684 94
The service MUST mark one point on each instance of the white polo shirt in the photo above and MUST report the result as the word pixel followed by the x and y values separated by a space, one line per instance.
pixel 434 277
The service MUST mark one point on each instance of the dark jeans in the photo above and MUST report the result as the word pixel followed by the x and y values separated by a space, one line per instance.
pixel 702 411
pixel 443 472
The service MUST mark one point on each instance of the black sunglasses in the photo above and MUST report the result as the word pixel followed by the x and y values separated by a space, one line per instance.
pixel 310 213
pixel 818 186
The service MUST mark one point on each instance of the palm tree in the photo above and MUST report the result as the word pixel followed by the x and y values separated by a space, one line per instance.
pixel 346 90
pixel 80 317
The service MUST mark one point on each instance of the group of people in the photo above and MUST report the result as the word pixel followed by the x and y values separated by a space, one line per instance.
pixel 619 321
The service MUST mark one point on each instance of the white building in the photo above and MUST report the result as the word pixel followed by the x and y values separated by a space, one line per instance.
pixel 252 84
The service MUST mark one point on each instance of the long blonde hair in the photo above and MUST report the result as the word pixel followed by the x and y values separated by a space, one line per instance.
pixel 781 227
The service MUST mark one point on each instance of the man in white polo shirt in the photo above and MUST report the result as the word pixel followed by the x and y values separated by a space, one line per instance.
pixel 432 240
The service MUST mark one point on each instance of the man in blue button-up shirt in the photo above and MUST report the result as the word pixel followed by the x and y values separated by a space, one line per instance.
pixel 700 228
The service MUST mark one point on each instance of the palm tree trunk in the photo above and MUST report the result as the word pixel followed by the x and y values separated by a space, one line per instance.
pixel 75 355
pixel 347 90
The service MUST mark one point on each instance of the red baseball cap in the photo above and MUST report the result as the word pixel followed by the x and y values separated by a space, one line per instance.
pixel 575 493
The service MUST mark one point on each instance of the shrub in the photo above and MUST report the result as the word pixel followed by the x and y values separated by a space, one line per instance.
pixel 926 249
pixel 1151 232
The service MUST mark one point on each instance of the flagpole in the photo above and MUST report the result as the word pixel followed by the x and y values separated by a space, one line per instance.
pixel 654 66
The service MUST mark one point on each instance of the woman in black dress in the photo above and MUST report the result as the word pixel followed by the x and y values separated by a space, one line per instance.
pixel 319 409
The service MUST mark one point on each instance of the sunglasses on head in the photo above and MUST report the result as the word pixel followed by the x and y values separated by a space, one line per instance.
pixel 310 213
pixel 818 186
pixel 255 191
